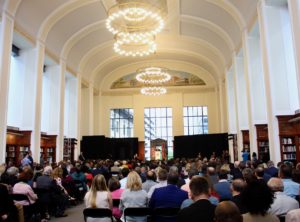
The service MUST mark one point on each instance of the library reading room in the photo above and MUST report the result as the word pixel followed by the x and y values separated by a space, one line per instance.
pixel 150 110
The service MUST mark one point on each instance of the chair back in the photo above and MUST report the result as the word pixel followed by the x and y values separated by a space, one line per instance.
pixel 136 212
pixel 116 202
pixel 166 212
pixel 97 213
pixel 20 197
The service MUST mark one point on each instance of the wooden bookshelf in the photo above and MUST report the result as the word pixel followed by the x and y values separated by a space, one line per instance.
pixel 69 148
pixel 289 137
pixel 48 147
pixel 17 144
pixel 263 142
pixel 246 140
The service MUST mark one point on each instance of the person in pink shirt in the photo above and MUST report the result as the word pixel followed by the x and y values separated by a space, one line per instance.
pixel 114 187
pixel 22 187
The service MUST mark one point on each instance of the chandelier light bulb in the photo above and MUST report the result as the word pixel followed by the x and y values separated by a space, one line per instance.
pixel 153 75
pixel 153 91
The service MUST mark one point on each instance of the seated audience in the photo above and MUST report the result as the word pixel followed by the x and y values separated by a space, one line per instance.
pixel 150 181
pixel 293 216
pixel 291 188
pixel 261 175
pixel 271 170
pixel 22 187
pixel 133 196
pixel 125 171
pixel 168 196
pixel 114 187
pixel 186 187
pixel 258 197
pixel 98 197
pixel 282 203
pixel 223 186
pixel 227 211
pixel 237 187
pixel 8 211
pixel 201 208
pixel 162 181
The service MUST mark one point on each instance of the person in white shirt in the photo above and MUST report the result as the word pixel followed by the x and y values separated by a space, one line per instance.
pixel 162 181
pixel 282 202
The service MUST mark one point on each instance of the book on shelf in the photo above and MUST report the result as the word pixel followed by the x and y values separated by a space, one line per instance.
pixel 287 141
pixel 289 148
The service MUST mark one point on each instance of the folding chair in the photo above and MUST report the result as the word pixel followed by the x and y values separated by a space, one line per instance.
pixel 136 212
pixel 116 202
pixel 165 212
pixel 29 209
pixel 97 213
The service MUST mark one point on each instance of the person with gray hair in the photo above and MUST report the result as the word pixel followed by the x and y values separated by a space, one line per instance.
pixel 282 202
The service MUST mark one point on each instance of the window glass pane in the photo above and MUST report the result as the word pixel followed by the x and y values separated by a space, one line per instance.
pixel 164 122
pixel 195 120
pixel 169 112
pixel 112 113
pixel 157 112
pixel 169 122
pixel 195 113
pixel 163 111
pixel 158 122
pixel 121 123
pixel 146 112
pixel 185 111
pixel 170 131
pixel 152 112
pixel 204 111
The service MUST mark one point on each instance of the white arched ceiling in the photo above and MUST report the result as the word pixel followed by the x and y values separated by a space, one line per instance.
pixel 110 64
pixel 209 32
pixel 10 6
pixel 66 27
pixel 167 43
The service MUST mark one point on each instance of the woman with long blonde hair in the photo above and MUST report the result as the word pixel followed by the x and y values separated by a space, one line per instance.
pixel 98 197
pixel 133 196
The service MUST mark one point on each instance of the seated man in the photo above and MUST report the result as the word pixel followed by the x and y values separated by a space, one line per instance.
pixel 282 203
pixel 201 208
pixel 168 196
pixel 237 187
pixel 291 188
pixel 223 186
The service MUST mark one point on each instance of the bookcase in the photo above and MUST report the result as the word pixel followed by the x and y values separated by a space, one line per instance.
pixel 262 142
pixel 17 144
pixel 246 140
pixel 69 148
pixel 289 137
pixel 48 147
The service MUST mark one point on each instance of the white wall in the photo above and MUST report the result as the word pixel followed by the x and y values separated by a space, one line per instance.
pixel 70 107
pixel 174 100
pixel 281 59
pixel 50 100
pixel 84 111
pixel 256 81
pixel 231 106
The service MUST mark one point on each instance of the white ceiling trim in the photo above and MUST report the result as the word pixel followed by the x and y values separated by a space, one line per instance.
pixel 232 10
pixel 11 7
pixel 211 26
pixel 98 78
pixel 84 61
pixel 58 14
pixel 171 64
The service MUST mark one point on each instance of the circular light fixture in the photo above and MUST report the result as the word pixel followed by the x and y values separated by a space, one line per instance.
pixel 153 91
pixel 152 75
pixel 134 17
pixel 133 47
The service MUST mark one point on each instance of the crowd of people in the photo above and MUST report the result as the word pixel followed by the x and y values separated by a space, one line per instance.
pixel 203 189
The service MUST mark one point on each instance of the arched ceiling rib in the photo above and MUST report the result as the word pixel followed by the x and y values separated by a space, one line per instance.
pixel 209 31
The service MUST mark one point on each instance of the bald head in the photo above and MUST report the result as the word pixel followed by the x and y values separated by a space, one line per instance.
pixel 238 185
pixel 227 211
pixel 275 184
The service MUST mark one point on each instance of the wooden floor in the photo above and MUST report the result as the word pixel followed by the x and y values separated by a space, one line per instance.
pixel 74 215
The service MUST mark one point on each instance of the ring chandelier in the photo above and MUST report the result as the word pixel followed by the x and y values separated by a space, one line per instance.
pixel 153 91
pixel 153 75
pixel 134 25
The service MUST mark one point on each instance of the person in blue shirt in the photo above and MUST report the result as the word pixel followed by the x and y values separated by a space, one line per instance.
pixel 245 155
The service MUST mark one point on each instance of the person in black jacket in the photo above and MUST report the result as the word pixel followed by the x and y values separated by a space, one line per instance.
pixel 8 211
pixel 201 209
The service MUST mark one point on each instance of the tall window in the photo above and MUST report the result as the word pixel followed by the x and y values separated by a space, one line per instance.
pixel 121 123
pixel 158 125
pixel 195 120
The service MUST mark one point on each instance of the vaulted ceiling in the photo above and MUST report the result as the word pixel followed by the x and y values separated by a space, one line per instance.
pixel 204 33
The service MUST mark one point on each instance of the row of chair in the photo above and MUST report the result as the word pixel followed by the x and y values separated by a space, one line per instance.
pixel 132 212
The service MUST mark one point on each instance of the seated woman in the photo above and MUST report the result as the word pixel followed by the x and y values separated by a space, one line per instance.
pixel 98 197
pixel 133 196
pixel 22 187
pixel 257 198
pixel 114 187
